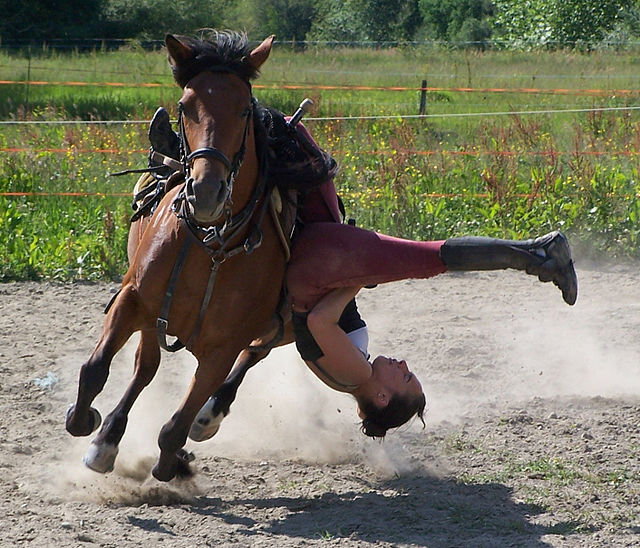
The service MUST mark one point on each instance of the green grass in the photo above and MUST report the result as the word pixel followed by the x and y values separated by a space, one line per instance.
pixel 507 176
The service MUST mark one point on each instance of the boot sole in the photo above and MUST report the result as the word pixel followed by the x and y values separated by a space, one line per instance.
pixel 561 253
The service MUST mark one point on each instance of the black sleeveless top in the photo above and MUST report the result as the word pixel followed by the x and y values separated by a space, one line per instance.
pixel 307 346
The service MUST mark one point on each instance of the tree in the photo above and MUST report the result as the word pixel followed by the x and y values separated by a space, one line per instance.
pixel 155 18
pixel 366 20
pixel 557 22
pixel 457 20
pixel 42 20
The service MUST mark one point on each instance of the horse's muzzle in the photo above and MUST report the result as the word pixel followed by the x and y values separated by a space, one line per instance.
pixel 205 199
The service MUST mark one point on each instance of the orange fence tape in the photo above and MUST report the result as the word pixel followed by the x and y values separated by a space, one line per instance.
pixel 72 194
pixel 552 91
pixel 368 152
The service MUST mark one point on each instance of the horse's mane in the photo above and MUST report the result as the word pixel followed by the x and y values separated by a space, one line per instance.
pixel 225 50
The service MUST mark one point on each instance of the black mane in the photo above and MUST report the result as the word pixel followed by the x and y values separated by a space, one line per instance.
pixel 221 50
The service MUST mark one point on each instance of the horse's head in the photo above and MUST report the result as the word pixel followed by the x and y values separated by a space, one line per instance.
pixel 215 114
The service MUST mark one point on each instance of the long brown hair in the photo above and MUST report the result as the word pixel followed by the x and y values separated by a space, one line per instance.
pixel 398 411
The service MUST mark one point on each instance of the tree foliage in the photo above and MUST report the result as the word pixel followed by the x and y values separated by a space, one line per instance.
pixel 557 22
pixel 153 19
pixel 366 20
pixel 532 22
pixel 457 20
pixel 42 20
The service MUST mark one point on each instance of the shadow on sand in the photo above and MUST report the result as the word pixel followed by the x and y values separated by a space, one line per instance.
pixel 418 510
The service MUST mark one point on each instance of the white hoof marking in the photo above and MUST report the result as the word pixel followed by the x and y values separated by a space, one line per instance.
pixel 100 457
pixel 205 425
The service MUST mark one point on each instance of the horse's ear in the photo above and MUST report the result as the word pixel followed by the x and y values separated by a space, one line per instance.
pixel 178 52
pixel 259 55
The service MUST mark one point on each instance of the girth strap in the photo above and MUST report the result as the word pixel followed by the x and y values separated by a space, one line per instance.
pixel 162 322
pixel 215 266
pixel 218 256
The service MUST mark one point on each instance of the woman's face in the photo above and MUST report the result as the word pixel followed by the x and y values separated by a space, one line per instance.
pixel 395 376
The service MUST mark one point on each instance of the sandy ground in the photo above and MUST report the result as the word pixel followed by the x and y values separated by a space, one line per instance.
pixel 532 436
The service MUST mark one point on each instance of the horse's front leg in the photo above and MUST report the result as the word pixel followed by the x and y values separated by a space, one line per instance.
pixel 82 419
pixel 208 377
pixel 102 452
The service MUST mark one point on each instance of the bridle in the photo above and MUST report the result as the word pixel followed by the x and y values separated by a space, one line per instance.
pixel 187 156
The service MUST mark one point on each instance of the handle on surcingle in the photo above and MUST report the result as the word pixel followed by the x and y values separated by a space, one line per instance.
pixel 304 107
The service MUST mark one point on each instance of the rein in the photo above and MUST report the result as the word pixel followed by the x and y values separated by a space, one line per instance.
pixel 215 241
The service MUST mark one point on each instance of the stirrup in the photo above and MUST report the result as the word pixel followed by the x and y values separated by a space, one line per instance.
pixel 557 265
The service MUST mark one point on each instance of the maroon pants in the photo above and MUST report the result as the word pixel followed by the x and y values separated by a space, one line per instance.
pixel 328 255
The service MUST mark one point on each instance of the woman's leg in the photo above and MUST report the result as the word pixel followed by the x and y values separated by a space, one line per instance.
pixel 320 205
pixel 329 255
pixel 326 256
pixel 548 257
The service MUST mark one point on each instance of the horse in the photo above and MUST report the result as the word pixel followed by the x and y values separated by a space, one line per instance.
pixel 206 267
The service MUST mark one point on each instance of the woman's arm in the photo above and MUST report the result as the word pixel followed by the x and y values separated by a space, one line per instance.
pixel 342 359
pixel 331 306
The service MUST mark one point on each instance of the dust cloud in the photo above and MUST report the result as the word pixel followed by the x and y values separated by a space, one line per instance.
pixel 467 354
pixel 282 412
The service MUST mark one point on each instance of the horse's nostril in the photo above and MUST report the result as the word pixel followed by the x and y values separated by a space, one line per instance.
pixel 189 190
pixel 222 193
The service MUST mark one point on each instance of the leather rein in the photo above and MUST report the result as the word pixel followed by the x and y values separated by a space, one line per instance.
pixel 216 240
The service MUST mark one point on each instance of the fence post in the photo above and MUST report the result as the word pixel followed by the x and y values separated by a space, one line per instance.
pixel 28 78
pixel 423 97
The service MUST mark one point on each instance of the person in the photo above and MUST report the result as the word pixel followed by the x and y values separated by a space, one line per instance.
pixel 331 262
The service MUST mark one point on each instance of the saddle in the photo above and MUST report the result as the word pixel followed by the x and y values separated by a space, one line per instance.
pixel 294 165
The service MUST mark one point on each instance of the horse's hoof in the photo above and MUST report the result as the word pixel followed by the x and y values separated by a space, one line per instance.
pixel 100 457
pixel 89 427
pixel 164 473
pixel 183 470
pixel 206 425
pixel 96 417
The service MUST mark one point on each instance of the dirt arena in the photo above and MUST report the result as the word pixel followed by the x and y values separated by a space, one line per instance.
pixel 532 436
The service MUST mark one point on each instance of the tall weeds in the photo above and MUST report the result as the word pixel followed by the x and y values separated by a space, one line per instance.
pixel 507 176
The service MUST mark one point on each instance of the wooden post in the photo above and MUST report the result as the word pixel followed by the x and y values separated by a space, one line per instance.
pixel 423 97
pixel 28 77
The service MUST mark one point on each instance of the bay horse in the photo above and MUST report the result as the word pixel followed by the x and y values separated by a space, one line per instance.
pixel 207 267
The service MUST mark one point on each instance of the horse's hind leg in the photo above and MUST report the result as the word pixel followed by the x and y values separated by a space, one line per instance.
pixel 102 452
pixel 82 419
pixel 209 418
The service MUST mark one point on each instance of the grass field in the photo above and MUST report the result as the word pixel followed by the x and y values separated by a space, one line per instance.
pixel 463 170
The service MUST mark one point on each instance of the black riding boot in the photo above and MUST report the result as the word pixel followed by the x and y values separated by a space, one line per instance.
pixel 163 140
pixel 161 135
pixel 547 257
